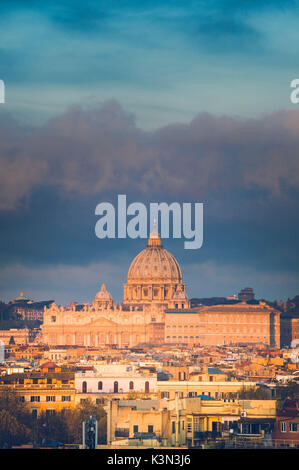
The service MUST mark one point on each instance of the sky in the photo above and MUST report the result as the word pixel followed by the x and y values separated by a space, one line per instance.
pixel 185 101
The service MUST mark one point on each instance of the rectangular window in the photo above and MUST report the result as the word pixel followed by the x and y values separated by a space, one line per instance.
pixel 293 427
pixel 34 398
pixel 173 427
pixel 135 428
pixel 283 426
pixel 150 428
pixel 196 424
pixel 66 398
pixel 50 398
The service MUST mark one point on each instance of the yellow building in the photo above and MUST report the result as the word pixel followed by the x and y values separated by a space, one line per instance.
pixel 216 389
pixel 15 336
pixel 43 392
pixel 184 422
pixel 236 323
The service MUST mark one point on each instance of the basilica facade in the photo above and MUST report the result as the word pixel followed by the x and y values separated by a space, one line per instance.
pixel 154 284
pixel 156 310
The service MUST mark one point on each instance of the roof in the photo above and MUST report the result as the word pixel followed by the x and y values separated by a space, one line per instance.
pixel 213 370
pixel 49 365
pixel 180 311
pixel 205 397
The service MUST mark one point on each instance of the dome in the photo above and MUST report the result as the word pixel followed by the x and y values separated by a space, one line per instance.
pixel 154 263
pixel 21 298
pixel 103 294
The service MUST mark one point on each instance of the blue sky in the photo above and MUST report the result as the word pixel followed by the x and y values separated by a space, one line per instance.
pixel 185 101
pixel 163 61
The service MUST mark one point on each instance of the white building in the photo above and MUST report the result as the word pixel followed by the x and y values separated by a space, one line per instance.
pixel 115 378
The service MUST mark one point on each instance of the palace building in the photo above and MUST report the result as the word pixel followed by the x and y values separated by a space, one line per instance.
pixel 156 310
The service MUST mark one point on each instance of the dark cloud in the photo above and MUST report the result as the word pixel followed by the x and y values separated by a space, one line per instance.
pixel 88 152
pixel 246 171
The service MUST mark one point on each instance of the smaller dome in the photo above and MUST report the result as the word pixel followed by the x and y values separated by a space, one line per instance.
pixel 21 298
pixel 103 294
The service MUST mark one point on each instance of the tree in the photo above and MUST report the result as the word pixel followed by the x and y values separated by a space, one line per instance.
pixel 291 390
pixel 79 414
pixel 251 393
pixel 15 419
pixel 254 394
pixel 51 428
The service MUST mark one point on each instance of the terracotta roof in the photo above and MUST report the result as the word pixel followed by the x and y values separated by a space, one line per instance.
pixel 49 365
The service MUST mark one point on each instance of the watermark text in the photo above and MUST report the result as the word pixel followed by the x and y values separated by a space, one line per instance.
pixel 175 220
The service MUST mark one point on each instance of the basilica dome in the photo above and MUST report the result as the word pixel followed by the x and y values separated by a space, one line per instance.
pixel 103 299
pixel 103 294
pixel 154 263
pixel 155 277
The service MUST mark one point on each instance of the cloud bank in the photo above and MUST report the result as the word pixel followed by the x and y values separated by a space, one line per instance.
pixel 93 151
pixel 245 171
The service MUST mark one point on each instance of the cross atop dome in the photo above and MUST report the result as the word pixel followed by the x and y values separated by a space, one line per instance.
pixel 154 233
pixel 154 237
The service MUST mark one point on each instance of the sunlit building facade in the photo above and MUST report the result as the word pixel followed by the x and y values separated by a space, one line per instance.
pixel 156 310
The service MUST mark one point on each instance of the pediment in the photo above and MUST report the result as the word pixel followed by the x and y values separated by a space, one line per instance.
pixel 102 321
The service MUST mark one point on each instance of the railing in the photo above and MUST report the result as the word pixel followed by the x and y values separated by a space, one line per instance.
pixel 111 391
pixel 235 443
pixel 119 376
pixel 40 387
pixel 122 432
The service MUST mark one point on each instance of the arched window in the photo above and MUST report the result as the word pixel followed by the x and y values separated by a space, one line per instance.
pixel 84 387
pixel 115 387
pixel 100 385
pixel 146 387
pixel 131 385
